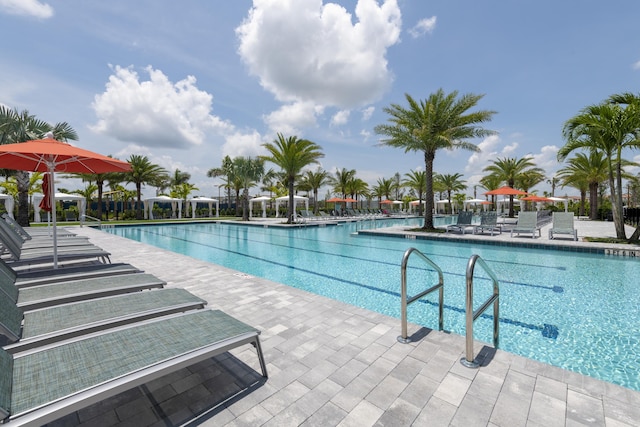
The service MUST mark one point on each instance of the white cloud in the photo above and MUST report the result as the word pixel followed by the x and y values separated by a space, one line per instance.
pixel 547 159
pixel 156 112
pixel 424 26
pixel 292 118
pixel 307 51
pixel 367 113
pixel 243 144
pixel 32 8
pixel 636 65
pixel 340 118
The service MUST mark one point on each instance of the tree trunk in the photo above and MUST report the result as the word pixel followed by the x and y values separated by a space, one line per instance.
pixel 22 180
pixel 290 207
pixel 245 205
pixel 428 209
pixel 593 201
pixel 139 204
pixel 618 221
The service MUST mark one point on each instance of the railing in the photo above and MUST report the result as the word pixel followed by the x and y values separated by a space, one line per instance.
pixel 405 301
pixel 469 360
pixel 84 218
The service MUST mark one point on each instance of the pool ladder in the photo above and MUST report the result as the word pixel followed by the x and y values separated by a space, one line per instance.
pixel 470 315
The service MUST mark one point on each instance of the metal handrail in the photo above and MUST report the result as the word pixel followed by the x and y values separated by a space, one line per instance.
pixel 471 315
pixel 404 301
pixel 83 218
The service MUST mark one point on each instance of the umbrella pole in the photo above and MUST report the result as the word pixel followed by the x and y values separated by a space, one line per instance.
pixel 52 192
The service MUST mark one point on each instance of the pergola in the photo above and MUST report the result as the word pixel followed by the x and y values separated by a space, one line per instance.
pixel 9 203
pixel 263 201
pixel 296 199
pixel 149 202
pixel 199 199
pixel 80 200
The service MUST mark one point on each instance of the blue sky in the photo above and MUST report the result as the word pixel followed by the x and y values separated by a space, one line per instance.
pixel 189 82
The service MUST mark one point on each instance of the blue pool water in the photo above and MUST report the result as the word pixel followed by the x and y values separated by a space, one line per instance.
pixel 577 311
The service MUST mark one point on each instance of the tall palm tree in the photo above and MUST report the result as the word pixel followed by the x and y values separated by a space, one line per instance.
pixel 491 182
pixel 314 181
pixel 142 172
pixel 451 183
pixel 292 155
pixel 249 171
pixel 508 170
pixel 417 181
pixel 442 121
pixel 357 187
pixel 386 187
pixel 341 179
pixel 610 128
pixel 225 170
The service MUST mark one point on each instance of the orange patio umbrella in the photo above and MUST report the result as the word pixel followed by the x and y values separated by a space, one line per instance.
pixel 49 155
pixel 505 191
pixel 536 198
pixel 335 200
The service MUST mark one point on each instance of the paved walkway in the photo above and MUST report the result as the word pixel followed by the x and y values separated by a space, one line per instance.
pixel 332 364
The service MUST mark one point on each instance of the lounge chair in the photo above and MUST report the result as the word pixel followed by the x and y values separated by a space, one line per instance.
pixel 488 222
pixel 65 273
pixel 527 223
pixel 34 297
pixel 8 235
pixel 36 328
pixel 563 224
pixel 37 387
pixel 464 221
pixel 35 231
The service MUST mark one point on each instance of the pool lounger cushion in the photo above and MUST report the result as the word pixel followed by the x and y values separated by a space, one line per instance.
pixel 34 297
pixel 40 386
pixel 39 327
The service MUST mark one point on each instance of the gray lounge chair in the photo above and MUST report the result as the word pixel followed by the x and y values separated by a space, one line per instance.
pixel 527 223
pixel 45 326
pixel 9 234
pixel 31 232
pixel 37 387
pixel 65 273
pixel 488 222
pixel 563 224
pixel 34 297
pixel 464 221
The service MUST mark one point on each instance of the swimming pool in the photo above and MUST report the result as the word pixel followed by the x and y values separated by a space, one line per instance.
pixel 577 311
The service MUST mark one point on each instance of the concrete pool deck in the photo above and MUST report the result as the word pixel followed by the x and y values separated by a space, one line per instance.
pixel 330 363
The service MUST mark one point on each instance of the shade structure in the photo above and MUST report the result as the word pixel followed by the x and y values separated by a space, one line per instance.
pixel 38 198
pixel 536 198
pixel 564 200
pixel 263 202
pixel 206 200
pixel 387 202
pixel 335 200
pixel 296 199
pixel 50 155
pixel 9 203
pixel 505 191
pixel 149 202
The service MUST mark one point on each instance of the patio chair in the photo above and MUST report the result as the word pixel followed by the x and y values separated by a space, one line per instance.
pixel 9 234
pixel 34 297
pixel 38 387
pixel 527 223
pixel 36 328
pixel 563 224
pixel 488 222
pixel 35 231
pixel 464 221
pixel 65 273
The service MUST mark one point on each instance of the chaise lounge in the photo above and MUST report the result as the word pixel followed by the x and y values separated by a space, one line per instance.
pixel 527 223
pixel 464 221
pixel 488 222
pixel 563 224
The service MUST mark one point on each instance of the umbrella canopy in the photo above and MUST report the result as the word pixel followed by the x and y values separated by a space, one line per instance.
pixel 49 155
pixel 335 200
pixel 350 200
pixel 387 202
pixel 505 191
pixel 536 198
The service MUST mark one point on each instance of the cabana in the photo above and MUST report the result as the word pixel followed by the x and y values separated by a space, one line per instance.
pixel 9 203
pixel 473 202
pixel 148 206
pixel 263 200
pixel 199 199
pixel 564 200
pixel 296 199
pixel 65 197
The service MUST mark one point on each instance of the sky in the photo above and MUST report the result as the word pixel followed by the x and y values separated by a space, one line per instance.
pixel 187 83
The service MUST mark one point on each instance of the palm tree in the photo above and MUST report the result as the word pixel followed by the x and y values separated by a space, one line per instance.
pixel 142 172
pixel 417 180
pixel 20 127
pixel 315 180
pixel 491 182
pixel 508 170
pixel 225 170
pixel 609 128
pixel 451 183
pixel 248 171
pixel 341 181
pixel 442 121
pixel 292 155
pixel 357 187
